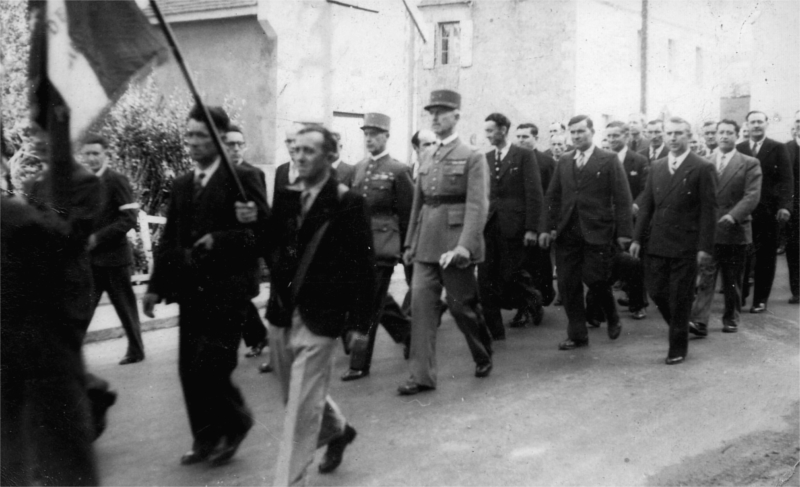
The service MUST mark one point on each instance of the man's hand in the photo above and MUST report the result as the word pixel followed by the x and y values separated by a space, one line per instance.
pixel 622 242
pixel 92 243
pixel 727 220
pixel 635 209
pixel 205 242
pixel 458 257
pixel 408 257
pixel 149 302
pixel 544 240
pixel 530 239
pixel 783 215
pixel 246 212
pixel 635 249
pixel 703 258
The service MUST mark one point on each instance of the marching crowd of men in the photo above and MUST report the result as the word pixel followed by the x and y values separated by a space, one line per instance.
pixel 649 213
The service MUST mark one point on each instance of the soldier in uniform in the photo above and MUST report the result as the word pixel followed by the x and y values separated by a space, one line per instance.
pixel 445 242
pixel 388 189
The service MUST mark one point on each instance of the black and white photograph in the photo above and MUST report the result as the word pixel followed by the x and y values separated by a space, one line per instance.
pixel 400 242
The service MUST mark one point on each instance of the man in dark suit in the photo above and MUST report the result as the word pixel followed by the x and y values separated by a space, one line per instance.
pixel 793 243
pixel 207 261
pixel 777 188
pixel 321 240
pixel 678 205
pixel 638 140
pixel 558 129
pixel 343 171
pixel 710 136
pixel 515 204
pixel 738 193
pixel 657 149
pixel 541 266
pixel 254 333
pixel 109 247
pixel 385 183
pixel 589 205
pixel 630 271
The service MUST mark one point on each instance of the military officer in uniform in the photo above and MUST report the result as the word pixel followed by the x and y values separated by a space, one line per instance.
pixel 388 189
pixel 445 242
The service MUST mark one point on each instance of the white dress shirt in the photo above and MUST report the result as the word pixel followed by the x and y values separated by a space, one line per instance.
pixel 449 139
pixel 587 154
pixel 675 162
pixel 621 154
pixel 208 172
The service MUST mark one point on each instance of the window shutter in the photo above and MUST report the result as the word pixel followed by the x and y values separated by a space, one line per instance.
pixel 466 43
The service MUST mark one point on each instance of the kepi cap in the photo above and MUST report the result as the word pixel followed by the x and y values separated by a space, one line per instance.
pixel 444 98
pixel 376 121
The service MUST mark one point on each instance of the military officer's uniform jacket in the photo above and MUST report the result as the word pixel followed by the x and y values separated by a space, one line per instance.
pixel 386 185
pixel 451 202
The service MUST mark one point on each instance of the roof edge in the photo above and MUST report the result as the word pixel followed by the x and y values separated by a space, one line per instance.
pixel 206 14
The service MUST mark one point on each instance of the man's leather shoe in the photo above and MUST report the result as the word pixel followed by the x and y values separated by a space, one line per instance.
pixel 232 443
pixel 727 328
pixel 354 374
pixel 674 360
pixel 483 370
pixel 639 314
pixel 265 368
pixel 572 344
pixel 794 300
pixel 614 330
pixel 335 452
pixel 698 329
pixel 194 456
pixel 411 388
pixel 758 308
pixel 130 359
pixel 537 316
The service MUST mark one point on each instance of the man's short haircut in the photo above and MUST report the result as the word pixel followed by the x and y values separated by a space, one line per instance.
pixel 235 128
pixel 221 119
pixel 747 117
pixel 560 125
pixel 618 124
pixel 96 139
pixel 560 136
pixel 415 140
pixel 329 143
pixel 728 121
pixel 657 121
pixel 581 118
pixel 500 120
pixel 528 125
pixel 708 123
pixel 681 120
pixel 337 136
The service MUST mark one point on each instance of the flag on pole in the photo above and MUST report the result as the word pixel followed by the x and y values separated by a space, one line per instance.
pixel 84 54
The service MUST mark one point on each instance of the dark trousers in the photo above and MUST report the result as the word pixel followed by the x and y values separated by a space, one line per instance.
pixel 540 268
pixel 254 332
pixel 462 298
pixel 728 261
pixel 582 263
pixel 210 332
pixel 793 253
pixel 503 278
pixel 762 260
pixel 116 281
pixel 388 314
pixel 629 270
pixel 670 282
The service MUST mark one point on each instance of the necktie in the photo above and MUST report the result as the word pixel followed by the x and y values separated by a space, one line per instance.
pixel 755 148
pixel 720 164
pixel 652 153
pixel 198 185
pixel 497 157
pixel 673 165
pixel 579 162
pixel 305 199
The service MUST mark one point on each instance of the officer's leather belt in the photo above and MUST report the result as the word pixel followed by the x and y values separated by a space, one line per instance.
pixel 445 199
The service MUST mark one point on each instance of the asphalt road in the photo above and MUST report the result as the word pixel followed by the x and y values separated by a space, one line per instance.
pixel 610 414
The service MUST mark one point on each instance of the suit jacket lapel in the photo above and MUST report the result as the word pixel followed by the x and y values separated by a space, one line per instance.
pixel 733 166
pixel 686 167
pixel 507 164
pixel 662 181
pixel 319 210
pixel 592 165
pixel 444 150
pixel 214 191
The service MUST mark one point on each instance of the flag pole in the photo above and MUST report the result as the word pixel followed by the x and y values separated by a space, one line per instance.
pixel 176 51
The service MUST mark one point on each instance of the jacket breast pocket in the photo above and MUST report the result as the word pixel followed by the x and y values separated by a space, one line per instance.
pixel 455 217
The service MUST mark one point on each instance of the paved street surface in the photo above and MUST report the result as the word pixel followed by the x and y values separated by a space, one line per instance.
pixel 610 414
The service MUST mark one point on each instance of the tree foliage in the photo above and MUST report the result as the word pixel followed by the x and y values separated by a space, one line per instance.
pixel 15 46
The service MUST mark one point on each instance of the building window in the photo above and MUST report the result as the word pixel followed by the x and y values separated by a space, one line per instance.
pixel 699 65
pixel 449 43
